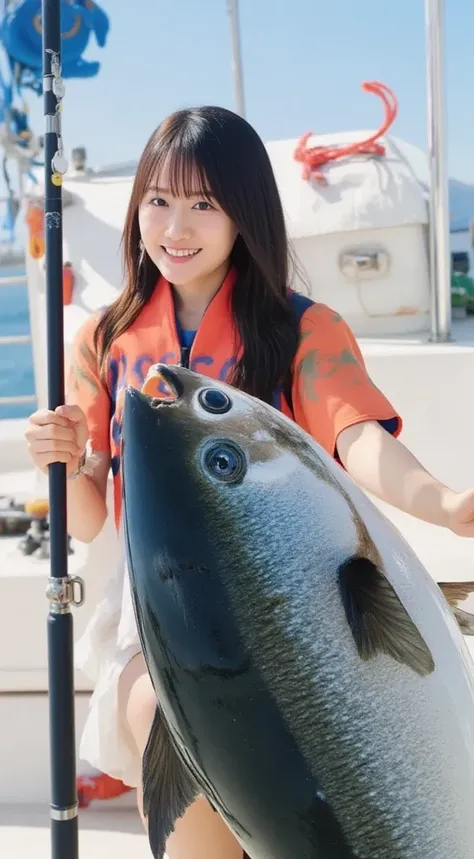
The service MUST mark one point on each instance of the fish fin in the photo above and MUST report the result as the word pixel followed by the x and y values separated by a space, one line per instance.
pixel 168 788
pixel 454 593
pixel 378 620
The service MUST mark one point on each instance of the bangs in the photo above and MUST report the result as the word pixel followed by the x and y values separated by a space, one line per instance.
pixel 177 169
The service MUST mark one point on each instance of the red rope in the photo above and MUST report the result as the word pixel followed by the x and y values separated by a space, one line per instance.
pixel 314 158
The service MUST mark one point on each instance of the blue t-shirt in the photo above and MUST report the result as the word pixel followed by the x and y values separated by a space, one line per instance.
pixel 186 339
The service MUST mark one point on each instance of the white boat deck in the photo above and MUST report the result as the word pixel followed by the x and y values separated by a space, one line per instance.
pixel 104 833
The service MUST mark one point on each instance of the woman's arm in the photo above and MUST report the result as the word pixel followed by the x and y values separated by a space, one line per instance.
pixel 339 405
pixel 382 465
pixel 88 407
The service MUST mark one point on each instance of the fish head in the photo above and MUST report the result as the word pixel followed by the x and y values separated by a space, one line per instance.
pixel 192 446
pixel 210 477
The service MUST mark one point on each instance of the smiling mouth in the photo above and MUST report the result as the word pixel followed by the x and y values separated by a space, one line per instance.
pixel 186 253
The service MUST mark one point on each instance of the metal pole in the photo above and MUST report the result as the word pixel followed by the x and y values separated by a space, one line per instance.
pixel 440 262
pixel 233 10
pixel 60 590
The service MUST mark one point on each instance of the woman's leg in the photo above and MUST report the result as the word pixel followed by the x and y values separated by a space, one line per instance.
pixel 200 833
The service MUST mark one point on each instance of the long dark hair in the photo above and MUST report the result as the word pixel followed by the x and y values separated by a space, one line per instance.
pixel 226 155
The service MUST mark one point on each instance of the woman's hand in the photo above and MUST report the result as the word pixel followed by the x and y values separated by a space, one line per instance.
pixel 57 436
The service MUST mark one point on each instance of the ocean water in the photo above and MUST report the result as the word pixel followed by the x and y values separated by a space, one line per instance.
pixel 16 360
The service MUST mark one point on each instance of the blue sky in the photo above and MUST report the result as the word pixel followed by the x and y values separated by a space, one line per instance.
pixel 304 62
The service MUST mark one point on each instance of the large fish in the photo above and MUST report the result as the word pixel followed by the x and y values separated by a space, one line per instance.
pixel 312 680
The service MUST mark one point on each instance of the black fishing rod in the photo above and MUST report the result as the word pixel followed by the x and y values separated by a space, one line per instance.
pixel 61 588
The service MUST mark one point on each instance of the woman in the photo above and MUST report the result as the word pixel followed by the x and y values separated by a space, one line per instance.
pixel 206 262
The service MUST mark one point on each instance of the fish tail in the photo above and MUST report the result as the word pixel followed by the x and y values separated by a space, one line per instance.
pixel 168 787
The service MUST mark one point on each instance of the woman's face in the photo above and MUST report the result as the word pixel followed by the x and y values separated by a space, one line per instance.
pixel 186 238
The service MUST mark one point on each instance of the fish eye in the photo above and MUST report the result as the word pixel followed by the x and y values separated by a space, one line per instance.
pixel 224 461
pixel 214 401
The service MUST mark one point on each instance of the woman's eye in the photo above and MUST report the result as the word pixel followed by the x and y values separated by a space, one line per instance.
pixel 204 206
pixel 158 201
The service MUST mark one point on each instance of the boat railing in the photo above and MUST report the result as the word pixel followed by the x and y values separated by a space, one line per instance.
pixel 13 280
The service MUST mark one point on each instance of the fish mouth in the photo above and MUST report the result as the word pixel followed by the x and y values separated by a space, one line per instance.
pixel 168 384
pixel 160 374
